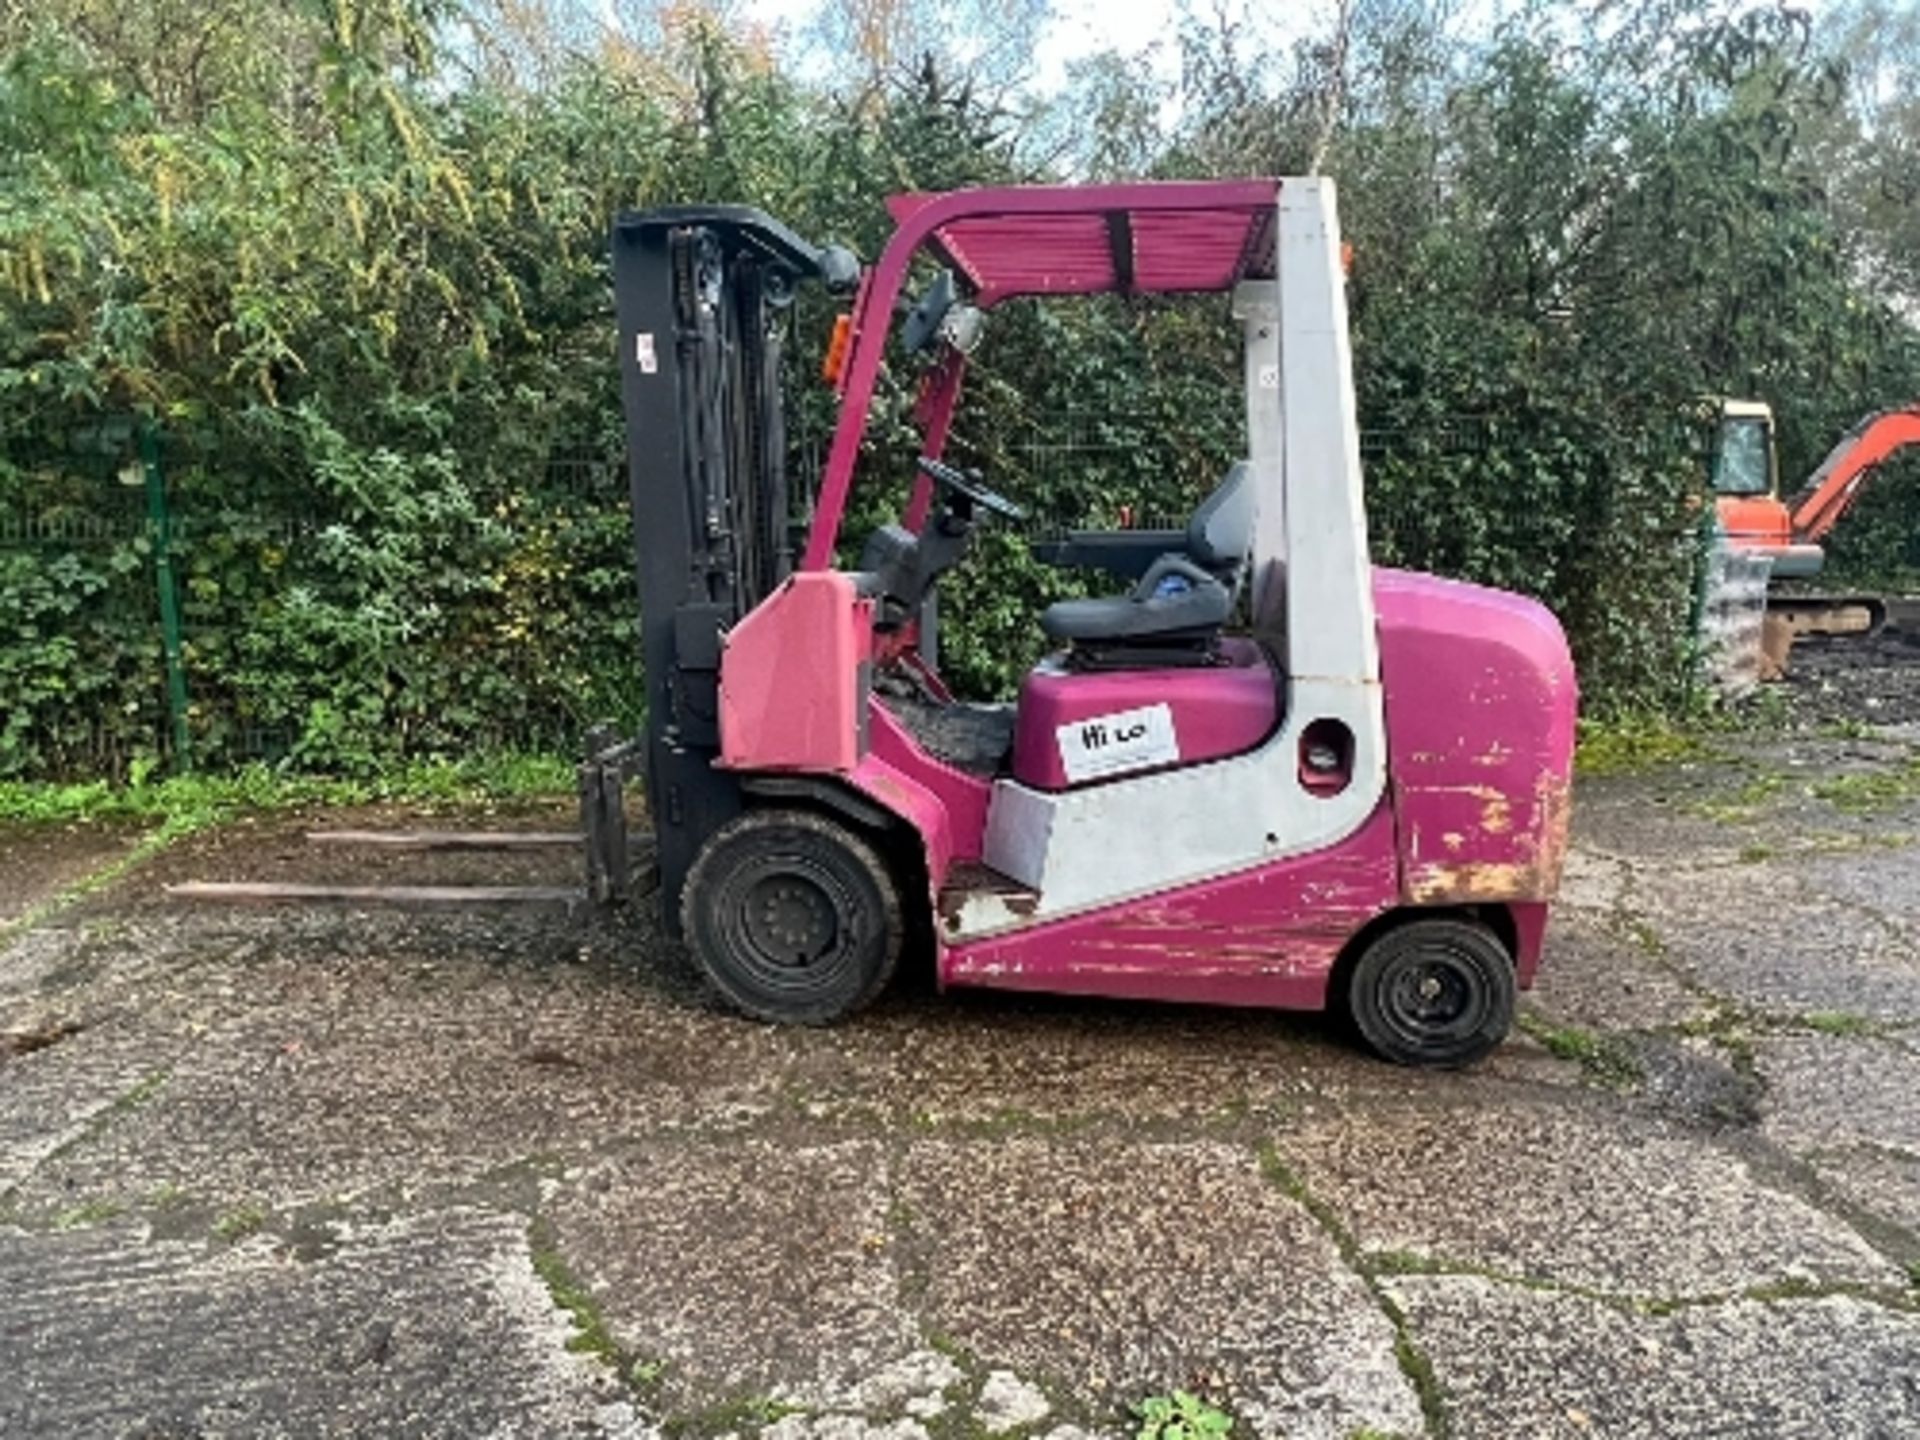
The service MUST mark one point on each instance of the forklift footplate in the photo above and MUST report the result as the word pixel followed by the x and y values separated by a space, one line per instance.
pixel 976 897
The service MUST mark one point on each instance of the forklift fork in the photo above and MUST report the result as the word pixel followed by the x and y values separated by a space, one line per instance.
pixel 619 862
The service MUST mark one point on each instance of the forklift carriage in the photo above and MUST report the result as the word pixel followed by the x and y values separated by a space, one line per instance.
pixel 1263 772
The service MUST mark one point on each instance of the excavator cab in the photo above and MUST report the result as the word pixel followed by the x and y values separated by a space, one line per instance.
pixel 1746 489
pixel 1754 519
pixel 1745 463
pixel 1746 482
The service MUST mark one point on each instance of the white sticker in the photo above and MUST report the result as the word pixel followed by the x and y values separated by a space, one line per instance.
pixel 643 353
pixel 1269 377
pixel 1113 744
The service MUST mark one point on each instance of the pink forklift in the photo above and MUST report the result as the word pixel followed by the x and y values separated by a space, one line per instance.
pixel 1260 772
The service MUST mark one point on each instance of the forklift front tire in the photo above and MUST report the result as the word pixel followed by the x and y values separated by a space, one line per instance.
pixel 792 917
pixel 1436 992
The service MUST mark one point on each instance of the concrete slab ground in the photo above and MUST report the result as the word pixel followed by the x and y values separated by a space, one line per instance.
pixel 38 862
pixel 115 1330
pixel 1516 1362
pixel 504 1173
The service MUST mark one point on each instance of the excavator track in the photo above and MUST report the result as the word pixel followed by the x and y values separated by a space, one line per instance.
pixel 1828 614
pixel 1790 616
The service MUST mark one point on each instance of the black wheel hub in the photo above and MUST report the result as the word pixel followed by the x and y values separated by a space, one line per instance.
pixel 789 920
pixel 1434 995
pixel 792 917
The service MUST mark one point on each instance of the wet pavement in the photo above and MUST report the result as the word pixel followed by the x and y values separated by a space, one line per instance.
pixel 299 1171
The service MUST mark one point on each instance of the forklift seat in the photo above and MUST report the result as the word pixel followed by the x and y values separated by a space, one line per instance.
pixel 1185 596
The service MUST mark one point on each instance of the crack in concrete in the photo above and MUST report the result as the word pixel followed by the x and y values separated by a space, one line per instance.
pixel 1413 1361
pixel 95 1124
pixel 1388 1264
pixel 1768 1163
pixel 1732 1029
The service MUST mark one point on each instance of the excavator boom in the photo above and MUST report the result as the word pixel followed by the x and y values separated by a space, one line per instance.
pixel 1831 490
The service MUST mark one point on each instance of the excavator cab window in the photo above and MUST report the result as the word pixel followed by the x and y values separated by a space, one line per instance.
pixel 1743 463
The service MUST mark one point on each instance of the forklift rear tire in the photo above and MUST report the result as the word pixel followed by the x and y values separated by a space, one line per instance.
pixel 792 917
pixel 1436 992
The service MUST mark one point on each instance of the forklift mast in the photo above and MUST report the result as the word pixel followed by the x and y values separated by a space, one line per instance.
pixel 700 291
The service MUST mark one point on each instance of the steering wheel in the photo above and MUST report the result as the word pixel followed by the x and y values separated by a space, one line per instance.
pixel 967 483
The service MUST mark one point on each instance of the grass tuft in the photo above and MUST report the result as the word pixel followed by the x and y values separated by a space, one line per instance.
pixel 1601 1056
pixel 1633 745
pixel 240 1222
pixel 590 1333
pixel 1839 1022
pixel 91 1213
pixel 1871 791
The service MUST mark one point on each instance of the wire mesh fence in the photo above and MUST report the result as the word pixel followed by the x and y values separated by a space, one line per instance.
pixel 502 622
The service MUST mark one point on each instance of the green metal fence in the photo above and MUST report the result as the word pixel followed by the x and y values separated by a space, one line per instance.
pixel 151 606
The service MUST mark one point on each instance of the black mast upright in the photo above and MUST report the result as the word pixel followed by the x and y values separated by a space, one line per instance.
pixel 698 289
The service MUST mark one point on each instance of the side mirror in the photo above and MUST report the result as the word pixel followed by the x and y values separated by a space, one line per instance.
pixel 963 327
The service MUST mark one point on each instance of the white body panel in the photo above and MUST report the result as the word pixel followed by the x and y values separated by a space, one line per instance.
pixel 1256 305
pixel 1115 841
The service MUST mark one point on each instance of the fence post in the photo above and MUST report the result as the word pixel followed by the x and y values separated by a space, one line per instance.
pixel 1706 537
pixel 159 535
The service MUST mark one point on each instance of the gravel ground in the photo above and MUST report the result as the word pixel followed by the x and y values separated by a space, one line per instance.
pixel 311 1172
pixel 1846 679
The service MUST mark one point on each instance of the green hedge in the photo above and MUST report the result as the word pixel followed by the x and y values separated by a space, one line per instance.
pixel 361 290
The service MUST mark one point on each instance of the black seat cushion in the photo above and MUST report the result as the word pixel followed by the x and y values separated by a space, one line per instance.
pixel 1183 596
pixel 1199 609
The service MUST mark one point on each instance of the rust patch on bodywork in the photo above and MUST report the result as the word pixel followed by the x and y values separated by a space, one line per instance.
pixel 1553 797
pixel 1442 884
pixel 1533 871
pixel 1496 816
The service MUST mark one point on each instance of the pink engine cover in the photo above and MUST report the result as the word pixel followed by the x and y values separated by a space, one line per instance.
pixel 1218 710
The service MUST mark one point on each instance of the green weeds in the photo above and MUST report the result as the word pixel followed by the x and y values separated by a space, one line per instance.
pixel 240 1222
pixel 1746 802
pixel 93 1212
pixel 1839 1022
pixel 1601 1056
pixel 590 1333
pixel 1870 791
pixel 1181 1416
pixel 188 802
pixel 1633 745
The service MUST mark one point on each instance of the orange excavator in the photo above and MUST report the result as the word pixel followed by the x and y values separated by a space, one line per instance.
pixel 1746 487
